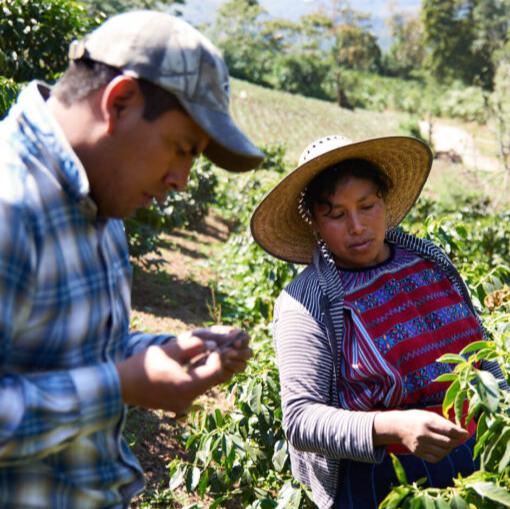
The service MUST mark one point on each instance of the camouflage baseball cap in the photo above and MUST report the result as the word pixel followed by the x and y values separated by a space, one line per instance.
pixel 170 53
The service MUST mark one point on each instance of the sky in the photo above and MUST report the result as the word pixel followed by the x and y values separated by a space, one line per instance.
pixel 203 11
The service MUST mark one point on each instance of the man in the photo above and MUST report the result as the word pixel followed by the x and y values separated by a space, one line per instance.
pixel 144 95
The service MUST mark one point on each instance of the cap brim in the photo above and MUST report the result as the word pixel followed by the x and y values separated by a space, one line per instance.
pixel 229 148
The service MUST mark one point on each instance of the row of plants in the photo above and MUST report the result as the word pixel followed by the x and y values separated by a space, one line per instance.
pixel 239 455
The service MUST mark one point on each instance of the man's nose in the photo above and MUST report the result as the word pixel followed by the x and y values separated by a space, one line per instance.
pixel 177 177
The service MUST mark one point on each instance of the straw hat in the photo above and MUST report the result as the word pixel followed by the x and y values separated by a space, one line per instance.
pixel 277 225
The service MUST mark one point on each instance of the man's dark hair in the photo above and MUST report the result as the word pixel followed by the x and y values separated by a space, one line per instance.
pixel 85 76
pixel 326 183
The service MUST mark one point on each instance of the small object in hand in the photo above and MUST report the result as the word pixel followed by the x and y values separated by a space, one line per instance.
pixel 213 346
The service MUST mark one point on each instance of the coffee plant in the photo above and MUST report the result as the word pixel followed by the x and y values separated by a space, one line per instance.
pixel 238 453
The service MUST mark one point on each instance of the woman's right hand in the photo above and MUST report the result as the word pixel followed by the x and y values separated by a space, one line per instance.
pixel 426 434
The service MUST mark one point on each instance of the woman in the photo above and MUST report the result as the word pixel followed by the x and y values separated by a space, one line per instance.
pixel 358 332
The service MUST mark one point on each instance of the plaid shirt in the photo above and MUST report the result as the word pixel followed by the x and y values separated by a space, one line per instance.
pixel 65 292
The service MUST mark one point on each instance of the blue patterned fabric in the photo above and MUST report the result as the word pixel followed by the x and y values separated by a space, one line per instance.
pixel 65 291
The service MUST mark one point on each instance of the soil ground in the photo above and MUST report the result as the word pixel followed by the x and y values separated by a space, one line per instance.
pixel 170 298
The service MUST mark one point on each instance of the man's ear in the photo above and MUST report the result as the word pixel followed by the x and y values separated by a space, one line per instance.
pixel 120 96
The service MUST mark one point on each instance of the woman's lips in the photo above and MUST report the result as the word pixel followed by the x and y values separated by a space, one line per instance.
pixel 360 246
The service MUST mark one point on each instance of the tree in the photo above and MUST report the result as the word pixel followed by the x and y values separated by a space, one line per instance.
pixel 356 48
pixel 247 48
pixel 491 19
pixel 462 36
pixel 406 53
pixel 300 73
pixel 500 102
pixel 110 7
pixel 302 62
pixel 35 35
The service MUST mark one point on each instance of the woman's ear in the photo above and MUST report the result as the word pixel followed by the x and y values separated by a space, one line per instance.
pixel 121 97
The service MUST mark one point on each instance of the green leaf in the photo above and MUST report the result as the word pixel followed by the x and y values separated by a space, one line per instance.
pixel 255 399
pixel 289 497
pixel 203 454
pixel 429 502
pixel 204 482
pixel 450 396
pixel 177 478
pixel 472 347
pixel 395 498
pixel 487 389
pixel 399 469
pixel 440 503
pixel 486 354
pixel 451 358
pixel 492 454
pixel 457 502
pixel 491 491
pixel 446 377
pixel 280 455
pixel 194 478
pixel 218 417
pixel 505 458
pixel 459 406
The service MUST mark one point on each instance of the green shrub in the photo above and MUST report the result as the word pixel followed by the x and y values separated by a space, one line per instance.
pixel 35 36
pixel 9 89
pixel 466 103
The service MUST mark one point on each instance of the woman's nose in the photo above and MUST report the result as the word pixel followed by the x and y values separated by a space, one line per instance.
pixel 356 226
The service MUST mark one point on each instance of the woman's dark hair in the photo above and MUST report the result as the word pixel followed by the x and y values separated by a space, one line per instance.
pixel 326 183
pixel 85 76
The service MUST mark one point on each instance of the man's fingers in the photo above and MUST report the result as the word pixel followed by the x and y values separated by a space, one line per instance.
pixel 186 346
pixel 241 354
pixel 224 335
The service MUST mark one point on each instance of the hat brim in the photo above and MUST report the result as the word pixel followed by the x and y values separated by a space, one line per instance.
pixel 276 224
pixel 228 148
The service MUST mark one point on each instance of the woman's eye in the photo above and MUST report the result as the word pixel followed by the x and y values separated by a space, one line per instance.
pixel 339 215
pixel 367 206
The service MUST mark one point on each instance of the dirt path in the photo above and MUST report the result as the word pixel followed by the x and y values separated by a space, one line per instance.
pixel 451 139
pixel 169 300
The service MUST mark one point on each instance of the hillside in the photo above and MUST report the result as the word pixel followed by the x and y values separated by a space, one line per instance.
pixel 272 116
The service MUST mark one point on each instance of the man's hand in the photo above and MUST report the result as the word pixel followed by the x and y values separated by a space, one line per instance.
pixel 171 376
pixel 426 434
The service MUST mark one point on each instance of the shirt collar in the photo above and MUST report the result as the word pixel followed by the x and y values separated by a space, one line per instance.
pixel 50 141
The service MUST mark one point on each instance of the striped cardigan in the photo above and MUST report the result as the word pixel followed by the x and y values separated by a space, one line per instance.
pixel 308 330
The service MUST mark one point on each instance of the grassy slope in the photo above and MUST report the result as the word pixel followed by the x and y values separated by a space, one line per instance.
pixel 270 116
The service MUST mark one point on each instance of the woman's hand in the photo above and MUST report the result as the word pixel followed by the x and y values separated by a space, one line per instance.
pixel 426 434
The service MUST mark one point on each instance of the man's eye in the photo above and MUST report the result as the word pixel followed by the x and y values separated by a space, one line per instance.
pixel 367 206
pixel 338 215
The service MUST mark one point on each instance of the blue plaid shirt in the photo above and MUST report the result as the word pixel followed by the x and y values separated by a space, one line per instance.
pixel 65 284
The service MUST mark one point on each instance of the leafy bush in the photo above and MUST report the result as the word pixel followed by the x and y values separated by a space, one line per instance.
pixel 299 74
pixel 466 103
pixel 241 453
pixel 35 35
pixel 249 187
pixel 488 488
pixel 9 89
